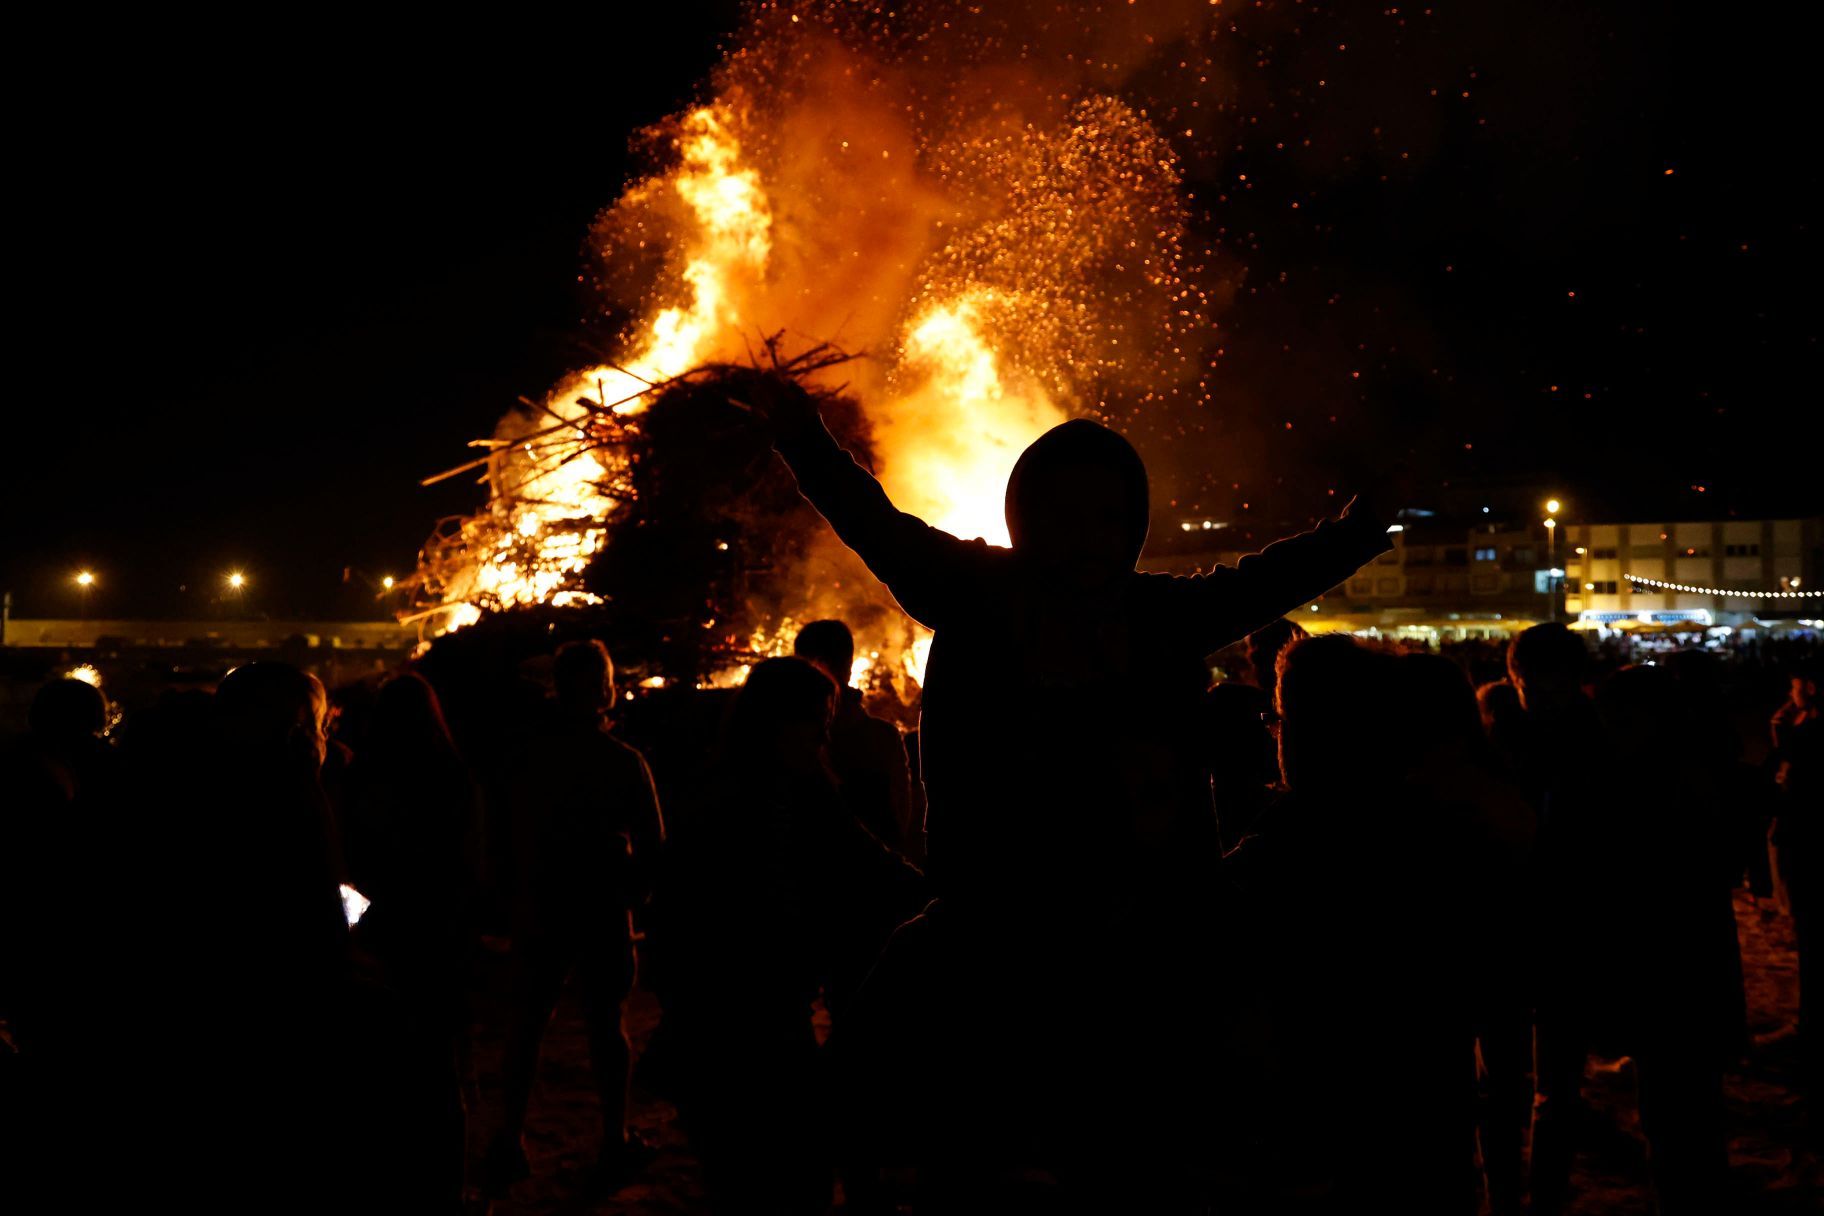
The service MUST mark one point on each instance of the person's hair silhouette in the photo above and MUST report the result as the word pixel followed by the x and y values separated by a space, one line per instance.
pixel 583 674
pixel 67 712
pixel 830 645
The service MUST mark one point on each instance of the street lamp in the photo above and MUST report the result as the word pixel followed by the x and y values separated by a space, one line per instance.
pixel 387 582
pixel 237 580
pixel 85 579
pixel 1552 507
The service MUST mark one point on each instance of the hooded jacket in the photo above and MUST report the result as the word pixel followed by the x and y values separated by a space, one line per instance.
pixel 1057 731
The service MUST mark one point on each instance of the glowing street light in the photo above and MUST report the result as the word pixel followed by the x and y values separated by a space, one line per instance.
pixel 237 580
pixel 1552 507
pixel 387 582
pixel 85 580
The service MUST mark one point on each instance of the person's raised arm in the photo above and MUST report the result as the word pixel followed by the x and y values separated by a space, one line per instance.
pixel 926 568
pixel 1230 602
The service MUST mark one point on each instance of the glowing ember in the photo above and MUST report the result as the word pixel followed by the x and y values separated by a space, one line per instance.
pixel 354 905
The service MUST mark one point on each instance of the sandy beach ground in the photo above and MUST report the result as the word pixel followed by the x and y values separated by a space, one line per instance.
pixel 1774 1161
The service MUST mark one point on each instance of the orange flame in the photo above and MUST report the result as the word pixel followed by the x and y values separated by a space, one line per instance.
pixel 976 265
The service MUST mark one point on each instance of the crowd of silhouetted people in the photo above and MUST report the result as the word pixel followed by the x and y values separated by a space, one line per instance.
pixel 1379 968
pixel 1341 933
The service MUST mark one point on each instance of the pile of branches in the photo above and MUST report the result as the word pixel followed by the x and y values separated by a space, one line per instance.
pixel 703 513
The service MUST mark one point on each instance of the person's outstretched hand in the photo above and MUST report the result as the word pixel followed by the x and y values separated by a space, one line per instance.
pixel 779 402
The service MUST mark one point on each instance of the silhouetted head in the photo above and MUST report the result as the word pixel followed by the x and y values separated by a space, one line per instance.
pixel 1645 711
pixel 1499 702
pixel 584 675
pixel 267 707
pixel 407 719
pixel 829 645
pixel 1265 645
pixel 781 718
pixel 1335 697
pixel 66 713
pixel 1547 665
pixel 1805 686
pixel 1077 504
pixel 1697 670
pixel 1440 709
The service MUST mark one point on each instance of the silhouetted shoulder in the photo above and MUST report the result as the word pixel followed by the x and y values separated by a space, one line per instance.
pixel 625 757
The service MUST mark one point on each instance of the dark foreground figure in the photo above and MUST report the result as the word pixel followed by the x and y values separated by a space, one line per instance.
pixel 1069 836
pixel 586 831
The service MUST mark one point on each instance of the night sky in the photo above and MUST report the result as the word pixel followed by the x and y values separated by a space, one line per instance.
pixel 267 289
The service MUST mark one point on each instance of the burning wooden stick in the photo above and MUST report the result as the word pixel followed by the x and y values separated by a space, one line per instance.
pixel 539 536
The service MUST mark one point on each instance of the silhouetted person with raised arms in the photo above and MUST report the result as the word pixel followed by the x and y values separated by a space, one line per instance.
pixel 1068 828
pixel 586 836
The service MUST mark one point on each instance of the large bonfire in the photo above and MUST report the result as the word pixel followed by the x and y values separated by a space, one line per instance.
pixel 996 252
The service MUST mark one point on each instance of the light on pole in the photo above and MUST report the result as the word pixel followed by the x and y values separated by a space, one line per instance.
pixel 1552 507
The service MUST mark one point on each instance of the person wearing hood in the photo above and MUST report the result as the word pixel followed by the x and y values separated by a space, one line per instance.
pixel 1067 813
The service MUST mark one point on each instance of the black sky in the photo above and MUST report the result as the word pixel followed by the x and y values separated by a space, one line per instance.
pixel 268 285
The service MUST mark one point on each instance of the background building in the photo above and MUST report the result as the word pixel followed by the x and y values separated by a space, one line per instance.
pixel 1492 572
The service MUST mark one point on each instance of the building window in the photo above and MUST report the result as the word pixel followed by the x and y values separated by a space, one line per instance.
pixel 1603 555
pixel 1602 587
pixel 1649 550
pixel 1742 550
pixel 1485 555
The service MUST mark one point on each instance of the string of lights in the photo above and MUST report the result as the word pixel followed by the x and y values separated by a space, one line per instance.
pixel 1735 594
